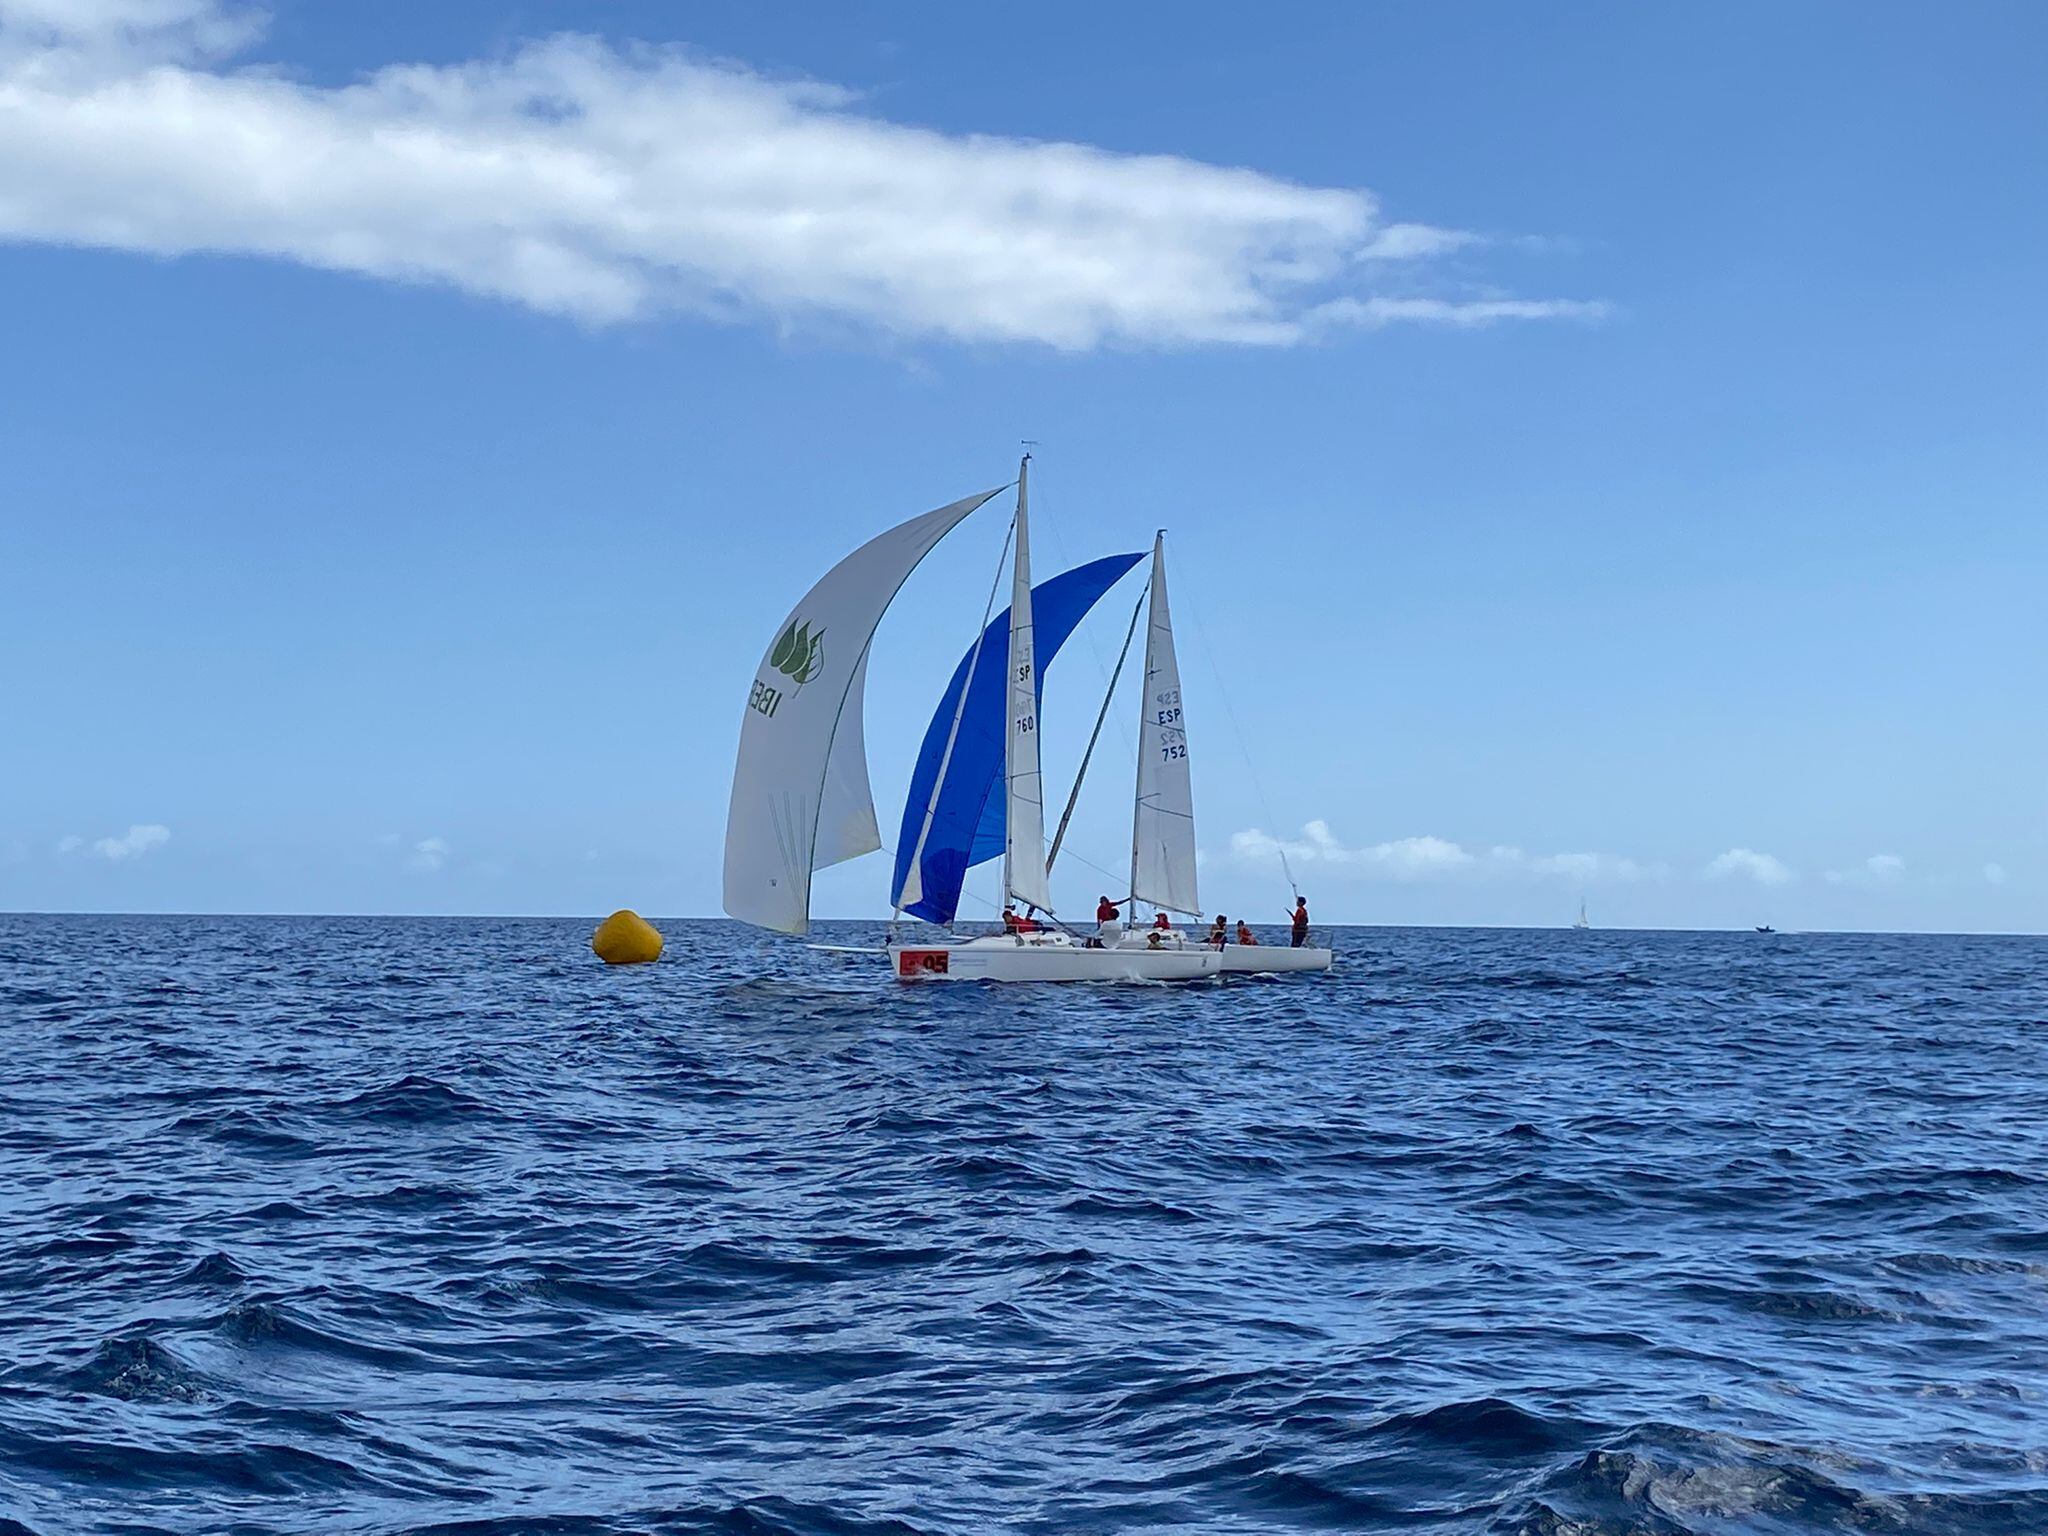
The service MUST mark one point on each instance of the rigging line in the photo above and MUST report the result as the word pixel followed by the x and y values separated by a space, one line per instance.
pixel 1109 693
pixel 959 708
pixel 1105 873
pixel 1087 633
pixel 1251 768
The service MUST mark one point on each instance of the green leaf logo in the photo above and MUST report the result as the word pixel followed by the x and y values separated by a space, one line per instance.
pixel 798 655
pixel 814 660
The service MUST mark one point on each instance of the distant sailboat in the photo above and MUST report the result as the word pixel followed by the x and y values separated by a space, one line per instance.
pixel 1580 920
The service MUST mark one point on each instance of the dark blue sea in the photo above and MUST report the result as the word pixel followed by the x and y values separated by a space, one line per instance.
pixel 382 1225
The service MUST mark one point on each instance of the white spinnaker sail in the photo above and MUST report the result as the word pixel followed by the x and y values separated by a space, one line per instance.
pixel 800 795
pixel 1163 827
pixel 1024 851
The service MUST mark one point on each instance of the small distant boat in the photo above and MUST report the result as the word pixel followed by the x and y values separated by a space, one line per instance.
pixel 1765 928
pixel 1580 920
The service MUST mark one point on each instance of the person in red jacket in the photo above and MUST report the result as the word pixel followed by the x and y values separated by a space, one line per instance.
pixel 1298 921
pixel 1105 910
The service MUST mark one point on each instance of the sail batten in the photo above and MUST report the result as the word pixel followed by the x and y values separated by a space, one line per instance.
pixel 801 798
pixel 1163 818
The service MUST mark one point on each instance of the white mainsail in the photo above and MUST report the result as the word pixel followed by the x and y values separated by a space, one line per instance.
pixel 1163 826
pixel 800 794
pixel 1024 876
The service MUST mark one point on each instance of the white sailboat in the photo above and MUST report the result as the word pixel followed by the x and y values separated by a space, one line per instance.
pixel 1580 920
pixel 801 798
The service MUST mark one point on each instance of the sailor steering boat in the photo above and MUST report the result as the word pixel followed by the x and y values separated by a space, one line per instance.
pixel 801 798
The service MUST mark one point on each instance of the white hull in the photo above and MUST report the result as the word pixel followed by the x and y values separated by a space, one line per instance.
pixel 1046 957
pixel 1234 959
pixel 1124 955
pixel 1269 959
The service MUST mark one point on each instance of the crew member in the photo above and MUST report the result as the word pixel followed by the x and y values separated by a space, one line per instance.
pixel 1161 922
pixel 1218 935
pixel 1244 933
pixel 1105 910
pixel 1299 919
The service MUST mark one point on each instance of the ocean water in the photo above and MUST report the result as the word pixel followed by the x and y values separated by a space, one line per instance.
pixel 333 1225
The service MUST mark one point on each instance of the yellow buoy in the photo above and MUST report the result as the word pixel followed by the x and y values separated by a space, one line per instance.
pixel 626 938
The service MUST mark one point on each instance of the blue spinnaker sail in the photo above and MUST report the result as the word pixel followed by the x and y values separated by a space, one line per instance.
pixel 967 826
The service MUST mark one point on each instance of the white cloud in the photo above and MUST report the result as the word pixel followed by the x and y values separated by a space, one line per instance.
pixel 1468 314
pixel 1419 858
pixel 1880 869
pixel 1581 868
pixel 614 184
pixel 149 28
pixel 1409 242
pixel 1995 873
pixel 132 844
pixel 428 854
pixel 1407 858
pixel 1744 862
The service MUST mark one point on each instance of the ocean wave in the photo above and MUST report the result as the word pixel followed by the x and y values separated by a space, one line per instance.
pixel 1676 1482
pixel 412 1100
pixel 1483 1232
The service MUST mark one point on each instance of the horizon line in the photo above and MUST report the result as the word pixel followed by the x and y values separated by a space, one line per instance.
pixel 541 917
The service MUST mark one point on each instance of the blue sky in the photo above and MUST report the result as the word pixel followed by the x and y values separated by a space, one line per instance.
pixel 1602 449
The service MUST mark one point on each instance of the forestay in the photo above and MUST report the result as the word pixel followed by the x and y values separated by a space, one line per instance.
pixel 1163 827
pixel 964 823
pixel 801 800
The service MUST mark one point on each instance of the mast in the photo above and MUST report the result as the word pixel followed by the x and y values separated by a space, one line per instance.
pixel 1144 719
pixel 1024 845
